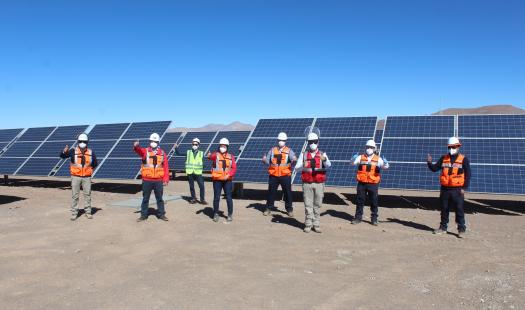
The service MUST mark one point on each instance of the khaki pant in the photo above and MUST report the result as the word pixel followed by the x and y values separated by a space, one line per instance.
pixel 313 194
pixel 76 182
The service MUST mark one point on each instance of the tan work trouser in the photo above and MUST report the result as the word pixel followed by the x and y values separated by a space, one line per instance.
pixel 85 182
pixel 313 194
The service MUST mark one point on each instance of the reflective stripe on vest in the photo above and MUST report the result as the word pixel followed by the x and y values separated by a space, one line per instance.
pixel 280 164
pixel 194 164
pixel 452 174
pixel 221 167
pixel 369 171
pixel 153 165
pixel 81 164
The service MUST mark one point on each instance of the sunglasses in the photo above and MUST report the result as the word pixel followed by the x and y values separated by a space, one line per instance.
pixel 313 142
pixel 453 147
pixel 195 144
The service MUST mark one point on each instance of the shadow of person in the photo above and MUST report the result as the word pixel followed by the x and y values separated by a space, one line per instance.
pixel 410 224
pixel 339 214
pixel 277 218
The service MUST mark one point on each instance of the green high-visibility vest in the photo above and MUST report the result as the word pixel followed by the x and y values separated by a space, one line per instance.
pixel 194 163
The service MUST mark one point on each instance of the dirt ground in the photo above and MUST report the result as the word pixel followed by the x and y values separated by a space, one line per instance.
pixel 256 262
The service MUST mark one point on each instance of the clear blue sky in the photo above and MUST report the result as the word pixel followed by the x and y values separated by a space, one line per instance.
pixel 196 62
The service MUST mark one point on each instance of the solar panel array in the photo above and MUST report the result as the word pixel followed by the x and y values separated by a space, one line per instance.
pixel 122 162
pixel 46 157
pixel 249 164
pixel 102 139
pixel 23 148
pixel 495 145
pixel 341 137
pixel 7 136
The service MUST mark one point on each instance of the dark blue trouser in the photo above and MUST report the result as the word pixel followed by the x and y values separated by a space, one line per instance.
pixel 286 186
pixel 452 198
pixel 158 188
pixel 370 190
pixel 218 187
pixel 200 181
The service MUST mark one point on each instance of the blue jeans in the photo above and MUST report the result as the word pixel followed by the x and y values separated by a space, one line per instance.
pixel 364 190
pixel 200 181
pixel 218 187
pixel 158 188
pixel 286 186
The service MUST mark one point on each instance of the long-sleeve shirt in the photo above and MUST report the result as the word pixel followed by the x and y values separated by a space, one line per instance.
pixel 71 154
pixel 300 162
pixel 291 156
pixel 380 162
pixel 466 169
pixel 233 169
pixel 142 152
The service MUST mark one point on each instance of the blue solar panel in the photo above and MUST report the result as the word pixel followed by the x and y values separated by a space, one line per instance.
pixel 177 163
pixel 491 126
pixel 341 149
pixel 50 149
pixel 7 135
pixel 124 149
pixel 170 138
pixel 119 169
pixel 64 169
pixel 494 151
pixel 498 179
pixel 107 131
pixel 3 145
pixel 419 126
pixel 346 126
pixel 257 148
pixel 38 166
pixel 410 176
pixel 254 171
pixel 204 136
pixel 67 133
pixel 21 149
pixel 233 136
pixel 413 150
pixel 10 165
pixel 36 134
pixel 378 136
pixel 270 128
pixel 145 129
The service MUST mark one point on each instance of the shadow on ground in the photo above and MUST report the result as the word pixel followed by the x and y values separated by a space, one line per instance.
pixel 485 206
pixel 99 186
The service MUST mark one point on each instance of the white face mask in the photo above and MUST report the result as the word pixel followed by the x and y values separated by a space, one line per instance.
pixel 282 143
pixel 453 151
pixel 223 149
pixel 313 147
pixel 82 145
pixel 369 152
pixel 153 144
pixel 194 147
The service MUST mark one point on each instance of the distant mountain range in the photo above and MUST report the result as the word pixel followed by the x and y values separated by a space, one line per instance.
pixel 490 109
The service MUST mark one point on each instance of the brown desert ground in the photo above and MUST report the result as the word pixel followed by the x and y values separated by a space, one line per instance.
pixel 256 262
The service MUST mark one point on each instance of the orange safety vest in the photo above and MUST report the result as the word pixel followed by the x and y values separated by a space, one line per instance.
pixel 81 164
pixel 368 171
pixel 221 167
pixel 313 170
pixel 452 174
pixel 279 164
pixel 153 165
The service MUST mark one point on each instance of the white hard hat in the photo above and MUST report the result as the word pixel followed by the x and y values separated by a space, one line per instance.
pixel 154 137
pixel 313 136
pixel 83 137
pixel 196 140
pixel 282 136
pixel 224 141
pixel 453 141
pixel 371 143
